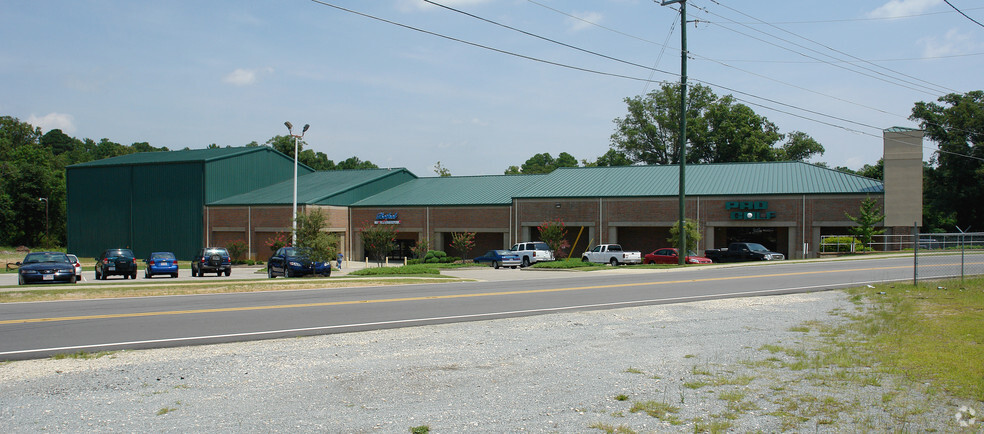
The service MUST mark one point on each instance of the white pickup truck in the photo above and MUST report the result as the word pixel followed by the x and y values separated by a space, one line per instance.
pixel 611 254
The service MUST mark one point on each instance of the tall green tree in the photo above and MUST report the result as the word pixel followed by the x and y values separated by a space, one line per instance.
pixel 952 184
pixel 719 130
pixel 691 228
pixel 543 163
pixel 312 240
pixel 867 221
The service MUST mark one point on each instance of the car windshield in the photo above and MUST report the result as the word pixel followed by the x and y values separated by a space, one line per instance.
pixel 73 258
pixel 216 252
pixel 541 246
pixel 691 253
pixel 119 253
pixel 757 247
pixel 162 256
pixel 34 258
pixel 501 252
pixel 290 251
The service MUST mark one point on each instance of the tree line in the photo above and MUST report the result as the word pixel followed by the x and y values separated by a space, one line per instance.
pixel 32 167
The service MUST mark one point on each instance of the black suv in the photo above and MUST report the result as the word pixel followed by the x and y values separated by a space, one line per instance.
pixel 118 262
pixel 211 260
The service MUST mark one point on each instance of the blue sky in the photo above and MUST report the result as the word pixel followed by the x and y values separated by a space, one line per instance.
pixel 190 73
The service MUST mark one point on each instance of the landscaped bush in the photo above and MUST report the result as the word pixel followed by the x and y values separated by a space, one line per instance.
pixel 841 245
pixel 439 257
pixel 567 263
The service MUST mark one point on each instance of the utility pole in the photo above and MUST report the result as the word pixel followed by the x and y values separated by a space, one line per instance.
pixel 682 247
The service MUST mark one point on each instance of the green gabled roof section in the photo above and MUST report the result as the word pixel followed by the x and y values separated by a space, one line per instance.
pixel 186 156
pixel 453 191
pixel 331 187
pixel 789 177
pixel 900 129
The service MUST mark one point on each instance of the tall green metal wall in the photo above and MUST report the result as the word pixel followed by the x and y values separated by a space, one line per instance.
pixel 147 208
pixel 151 207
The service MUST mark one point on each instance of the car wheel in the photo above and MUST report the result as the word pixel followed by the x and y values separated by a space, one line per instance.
pixel 133 275
pixel 513 267
pixel 583 259
pixel 228 272
pixel 270 273
pixel 20 279
pixel 72 279
pixel 147 274
pixel 218 274
pixel 495 264
pixel 526 261
pixel 174 275
pixel 614 262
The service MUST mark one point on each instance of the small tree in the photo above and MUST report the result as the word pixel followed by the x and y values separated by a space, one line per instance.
pixel 693 235
pixel 463 242
pixel 237 250
pixel 868 217
pixel 277 241
pixel 379 240
pixel 312 240
pixel 554 233
pixel 420 249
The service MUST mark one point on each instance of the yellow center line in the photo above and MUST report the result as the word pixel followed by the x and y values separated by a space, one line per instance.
pixel 405 299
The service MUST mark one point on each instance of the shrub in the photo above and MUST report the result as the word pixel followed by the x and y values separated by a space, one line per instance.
pixel 438 257
pixel 237 250
pixel 406 269
pixel 841 245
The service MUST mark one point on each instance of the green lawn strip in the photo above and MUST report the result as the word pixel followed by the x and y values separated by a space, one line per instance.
pixel 928 333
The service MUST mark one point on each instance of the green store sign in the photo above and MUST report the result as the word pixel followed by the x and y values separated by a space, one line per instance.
pixel 757 210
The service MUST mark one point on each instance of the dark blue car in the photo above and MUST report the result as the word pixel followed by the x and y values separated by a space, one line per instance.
pixel 288 262
pixel 45 267
pixel 161 263
pixel 499 258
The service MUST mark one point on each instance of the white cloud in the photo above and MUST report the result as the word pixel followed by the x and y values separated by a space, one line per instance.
pixel 898 8
pixel 587 20
pixel 952 43
pixel 245 77
pixel 411 5
pixel 52 121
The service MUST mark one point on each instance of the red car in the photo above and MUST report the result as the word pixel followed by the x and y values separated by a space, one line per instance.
pixel 669 256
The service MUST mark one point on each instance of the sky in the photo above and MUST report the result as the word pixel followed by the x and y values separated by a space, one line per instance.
pixel 431 84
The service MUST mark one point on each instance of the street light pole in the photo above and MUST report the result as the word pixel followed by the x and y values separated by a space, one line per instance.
pixel 45 200
pixel 293 217
pixel 682 246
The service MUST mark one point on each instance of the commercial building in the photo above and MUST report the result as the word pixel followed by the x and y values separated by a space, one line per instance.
pixel 786 206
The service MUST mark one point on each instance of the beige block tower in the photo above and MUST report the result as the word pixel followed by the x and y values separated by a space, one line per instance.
pixel 903 179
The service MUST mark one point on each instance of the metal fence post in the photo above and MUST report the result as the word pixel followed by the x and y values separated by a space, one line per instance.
pixel 915 254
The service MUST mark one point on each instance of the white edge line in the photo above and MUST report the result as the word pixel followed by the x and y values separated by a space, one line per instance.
pixel 439 318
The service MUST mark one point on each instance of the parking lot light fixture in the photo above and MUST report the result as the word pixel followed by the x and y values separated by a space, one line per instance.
pixel 293 217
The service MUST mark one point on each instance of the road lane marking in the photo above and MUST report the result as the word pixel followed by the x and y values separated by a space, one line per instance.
pixel 421 298
pixel 489 315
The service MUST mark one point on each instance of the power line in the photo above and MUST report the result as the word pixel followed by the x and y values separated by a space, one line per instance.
pixel 961 13
pixel 324 3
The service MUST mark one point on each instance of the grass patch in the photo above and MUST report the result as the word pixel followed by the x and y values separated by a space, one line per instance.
pixel 622 397
pixel 165 410
pixel 404 270
pixel 82 355
pixel 422 429
pixel 659 410
pixel 632 370
pixel 927 333
pixel 611 429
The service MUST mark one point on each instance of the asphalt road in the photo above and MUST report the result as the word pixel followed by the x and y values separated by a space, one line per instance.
pixel 31 330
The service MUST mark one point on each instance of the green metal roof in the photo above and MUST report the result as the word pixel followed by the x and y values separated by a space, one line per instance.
pixel 454 191
pixel 331 187
pixel 702 180
pixel 184 156
pixel 900 129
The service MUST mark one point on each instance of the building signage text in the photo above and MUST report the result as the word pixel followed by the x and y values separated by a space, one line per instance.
pixel 385 218
pixel 756 210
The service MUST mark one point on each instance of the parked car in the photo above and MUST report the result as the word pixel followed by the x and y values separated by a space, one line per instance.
pixel 161 263
pixel 669 256
pixel 737 252
pixel 78 266
pixel 211 260
pixel 611 254
pixel 289 262
pixel 533 252
pixel 116 262
pixel 499 258
pixel 45 267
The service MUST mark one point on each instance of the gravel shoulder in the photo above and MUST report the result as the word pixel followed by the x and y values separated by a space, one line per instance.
pixel 721 364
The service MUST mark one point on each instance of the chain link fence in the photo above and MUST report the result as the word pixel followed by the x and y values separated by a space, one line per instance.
pixel 950 255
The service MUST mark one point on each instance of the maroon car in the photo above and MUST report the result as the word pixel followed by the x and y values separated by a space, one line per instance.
pixel 669 256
